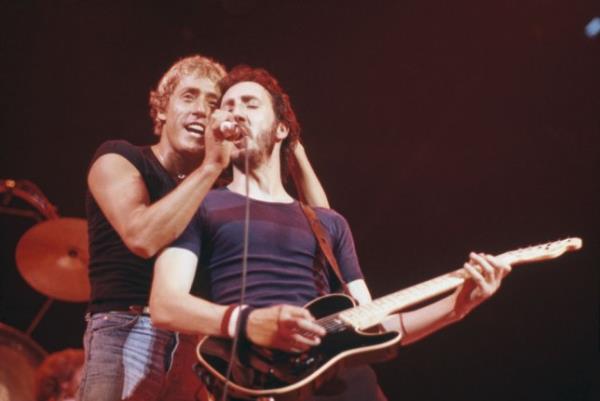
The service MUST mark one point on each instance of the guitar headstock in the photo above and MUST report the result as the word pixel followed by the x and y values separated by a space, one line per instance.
pixel 538 253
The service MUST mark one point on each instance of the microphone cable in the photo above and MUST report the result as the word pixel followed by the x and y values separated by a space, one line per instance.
pixel 236 336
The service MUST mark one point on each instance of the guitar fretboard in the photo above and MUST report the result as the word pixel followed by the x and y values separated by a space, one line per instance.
pixel 372 313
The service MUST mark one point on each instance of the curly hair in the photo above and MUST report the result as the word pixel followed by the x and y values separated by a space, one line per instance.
pixel 196 64
pixel 281 104
pixel 59 367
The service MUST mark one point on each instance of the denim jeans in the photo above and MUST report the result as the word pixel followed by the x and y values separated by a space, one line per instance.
pixel 127 358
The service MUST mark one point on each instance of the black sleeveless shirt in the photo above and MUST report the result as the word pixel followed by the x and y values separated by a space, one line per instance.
pixel 118 277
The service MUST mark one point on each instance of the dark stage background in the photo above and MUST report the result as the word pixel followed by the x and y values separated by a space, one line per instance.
pixel 436 127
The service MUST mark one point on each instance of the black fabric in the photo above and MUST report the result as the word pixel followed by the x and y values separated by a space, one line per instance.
pixel 118 277
pixel 357 383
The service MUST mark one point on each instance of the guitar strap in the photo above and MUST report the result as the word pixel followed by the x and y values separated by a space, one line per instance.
pixel 325 246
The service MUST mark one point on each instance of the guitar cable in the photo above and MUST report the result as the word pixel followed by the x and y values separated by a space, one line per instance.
pixel 238 327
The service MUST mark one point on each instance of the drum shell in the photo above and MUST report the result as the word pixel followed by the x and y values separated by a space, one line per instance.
pixel 19 358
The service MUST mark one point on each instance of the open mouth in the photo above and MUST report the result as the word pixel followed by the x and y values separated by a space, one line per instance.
pixel 195 128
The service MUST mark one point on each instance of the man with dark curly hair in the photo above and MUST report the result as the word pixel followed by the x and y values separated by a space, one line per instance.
pixel 281 253
pixel 140 199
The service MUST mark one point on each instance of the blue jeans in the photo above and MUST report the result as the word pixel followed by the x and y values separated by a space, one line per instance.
pixel 127 358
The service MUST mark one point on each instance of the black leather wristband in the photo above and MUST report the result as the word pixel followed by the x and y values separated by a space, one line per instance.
pixel 244 343
pixel 243 322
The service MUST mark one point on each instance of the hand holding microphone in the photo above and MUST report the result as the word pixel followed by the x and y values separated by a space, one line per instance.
pixel 225 127
pixel 231 130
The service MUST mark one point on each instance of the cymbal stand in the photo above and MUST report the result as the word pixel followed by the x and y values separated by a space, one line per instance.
pixel 32 194
pixel 39 316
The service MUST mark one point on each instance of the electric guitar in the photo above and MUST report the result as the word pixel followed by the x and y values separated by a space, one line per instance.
pixel 262 373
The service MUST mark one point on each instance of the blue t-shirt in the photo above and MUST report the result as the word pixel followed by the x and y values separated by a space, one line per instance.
pixel 281 251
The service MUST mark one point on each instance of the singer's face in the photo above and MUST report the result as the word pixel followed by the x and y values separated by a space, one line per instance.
pixel 252 107
pixel 187 114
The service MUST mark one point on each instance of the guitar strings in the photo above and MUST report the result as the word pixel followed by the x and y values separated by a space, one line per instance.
pixel 331 323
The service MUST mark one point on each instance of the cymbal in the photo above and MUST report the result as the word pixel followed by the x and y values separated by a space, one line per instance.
pixel 52 257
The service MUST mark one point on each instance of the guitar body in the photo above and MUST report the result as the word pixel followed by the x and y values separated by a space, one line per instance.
pixel 260 372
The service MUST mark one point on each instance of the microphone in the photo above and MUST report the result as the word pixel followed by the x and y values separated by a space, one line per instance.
pixel 231 130
pixel 229 127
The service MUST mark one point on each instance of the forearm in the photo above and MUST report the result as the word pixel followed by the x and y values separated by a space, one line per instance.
pixel 152 227
pixel 486 275
pixel 307 183
pixel 172 306
pixel 187 314
pixel 424 321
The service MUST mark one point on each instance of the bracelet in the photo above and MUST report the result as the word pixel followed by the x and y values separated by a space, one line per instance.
pixel 243 322
pixel 225 321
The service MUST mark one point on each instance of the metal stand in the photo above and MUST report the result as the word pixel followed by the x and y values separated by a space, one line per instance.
pixel 39 316
pixel 32 194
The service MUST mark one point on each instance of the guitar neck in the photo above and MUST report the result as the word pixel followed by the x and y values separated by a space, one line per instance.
pixel 373 313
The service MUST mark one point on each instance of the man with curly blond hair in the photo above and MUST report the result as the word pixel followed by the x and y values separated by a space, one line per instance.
pixel 140 199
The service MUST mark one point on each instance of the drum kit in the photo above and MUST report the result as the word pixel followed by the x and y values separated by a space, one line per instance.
pixel 52 257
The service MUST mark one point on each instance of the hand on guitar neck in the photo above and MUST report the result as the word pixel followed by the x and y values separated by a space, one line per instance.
pixel 486 273
pixel 478 280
